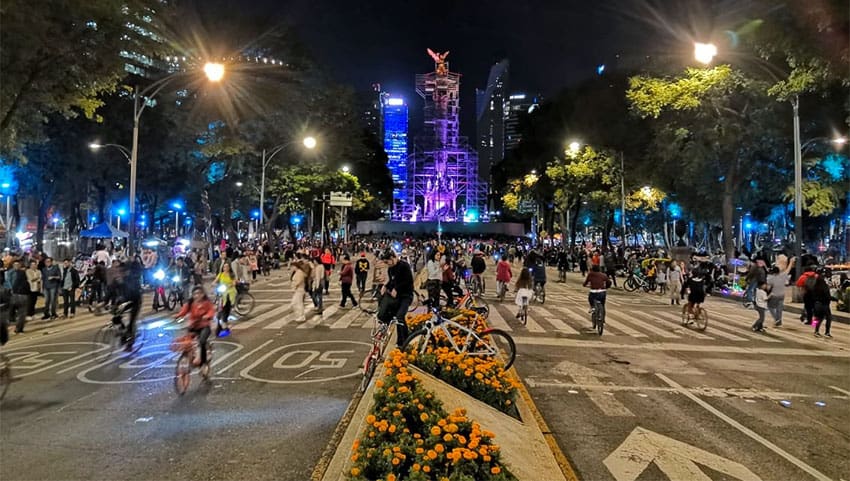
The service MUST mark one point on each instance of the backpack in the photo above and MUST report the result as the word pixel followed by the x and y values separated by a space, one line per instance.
pixel 810 282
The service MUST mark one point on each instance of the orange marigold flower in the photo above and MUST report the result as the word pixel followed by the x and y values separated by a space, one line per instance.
pixel 439 448
pixel 391 477
pixel 426 468
pixel 355 471
pixel 370 419
pixel 447 437
pixel 416 467
pixel 395 461
pixel 431 454
pixel 419 450
pixel 435 431
pixel 423 416
pixel 495 470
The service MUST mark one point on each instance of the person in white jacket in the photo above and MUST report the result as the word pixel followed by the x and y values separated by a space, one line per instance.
pixel 300 274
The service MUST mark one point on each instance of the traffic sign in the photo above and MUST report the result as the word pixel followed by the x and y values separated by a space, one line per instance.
pixel 340 199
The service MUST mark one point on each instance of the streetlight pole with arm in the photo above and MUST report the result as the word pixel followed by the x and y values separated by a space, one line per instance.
pixel 309 142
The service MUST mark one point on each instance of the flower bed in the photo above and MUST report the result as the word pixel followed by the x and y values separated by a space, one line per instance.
pixel 410 436
pixel 482 378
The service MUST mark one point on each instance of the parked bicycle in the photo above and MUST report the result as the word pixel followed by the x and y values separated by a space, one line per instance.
pixel 489 342
pixel 637 281
pixel 380 338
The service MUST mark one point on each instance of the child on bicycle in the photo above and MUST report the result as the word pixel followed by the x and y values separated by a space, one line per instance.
pixel 503 275
pixel 523 288
pixel 201 311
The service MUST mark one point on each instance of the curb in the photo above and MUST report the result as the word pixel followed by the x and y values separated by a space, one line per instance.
pixel 336 437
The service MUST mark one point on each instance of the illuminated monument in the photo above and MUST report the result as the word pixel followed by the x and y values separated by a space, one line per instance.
pixel 443 183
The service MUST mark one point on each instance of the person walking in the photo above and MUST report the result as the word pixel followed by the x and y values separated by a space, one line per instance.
pixel 36 286
pixel 299 282
pixel 346 278
pixel 225 278
pixel 70 282
pixel 674 282
pixel 318 277
pixel 329 261
pixel 20 295
pixel 777 280
pixel 361 271
pixel 821 313
pixel 435 278
pixel 761 298
pixel 52 277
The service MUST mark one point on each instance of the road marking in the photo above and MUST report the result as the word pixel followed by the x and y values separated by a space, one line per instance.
pixel 314 319
pixel 496 320
pixel 260 318
pixel 723 392
pixel 628 317
pixel 250 353
pixel 622 323
pixel 840 390
pixel 672 346
pixel 714 332
pixel 557 323
pixel 618 327
pixel 609 405
pixel 346 320
pixel 674 458
pixel 747 431
pixel 678 327
pixel 744 331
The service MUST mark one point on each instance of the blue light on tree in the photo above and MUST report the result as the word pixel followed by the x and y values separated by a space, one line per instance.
pixel 675 210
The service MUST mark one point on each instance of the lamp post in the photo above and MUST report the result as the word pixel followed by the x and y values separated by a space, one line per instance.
pixel 177 208
pixel 120 213
pixel 309 142
pixel 214 73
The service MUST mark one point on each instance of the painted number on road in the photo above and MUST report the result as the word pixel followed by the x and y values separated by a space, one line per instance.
pixel 307 362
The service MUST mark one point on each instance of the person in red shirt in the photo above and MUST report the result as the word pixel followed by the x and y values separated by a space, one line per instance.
pixel 346 277
pixel 201 311
pixel 329 261
pixel 503 275
pixel 598 283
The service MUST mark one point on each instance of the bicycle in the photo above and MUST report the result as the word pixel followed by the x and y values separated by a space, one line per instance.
pixel 634 282
pixel 87 293
pixel 503 290
pixel 160 299
pixel 695 314
pixel 175 293
pixel 188 347
pixel 473 303
pixel 476 285
pixel 244 299
pixel 539 292
pixel 597 316
pixel 522 315
pixel 380 337
pixel 472 343
pixel 6 378
pixel 114 334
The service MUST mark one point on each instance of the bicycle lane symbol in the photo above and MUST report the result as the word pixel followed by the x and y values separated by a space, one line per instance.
pixel 33 359
pixel 301 362
pixel 153 363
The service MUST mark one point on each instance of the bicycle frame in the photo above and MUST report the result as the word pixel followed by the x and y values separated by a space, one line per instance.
pixel 438 322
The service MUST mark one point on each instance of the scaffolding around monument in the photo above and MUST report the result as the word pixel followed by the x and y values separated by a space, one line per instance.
pixel 443 168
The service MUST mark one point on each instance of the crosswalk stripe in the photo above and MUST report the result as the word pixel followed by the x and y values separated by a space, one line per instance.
pixel 496 320
pixel 346 320
pixel 263 316
pixel 746 323
pixel 656 317
pixel 558 324
pixel 620 324
pixel 716 322
pixel 313 319
pixel 629 317
pixel 711 332
pixel 283 320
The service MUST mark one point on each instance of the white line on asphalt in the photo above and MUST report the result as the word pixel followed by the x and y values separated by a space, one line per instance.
pixel 662 346
pixel 253 351
pixel 605 401
pixel 261 318
pixel 622 323
pixel 557 323
pixel 714 332
pixel 346 320
pixel 496 320
pixel 629 317
pixel 840 390
pixel 749 432
pixel 678 328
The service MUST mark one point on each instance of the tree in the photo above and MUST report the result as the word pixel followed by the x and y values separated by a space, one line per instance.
pixel 60 57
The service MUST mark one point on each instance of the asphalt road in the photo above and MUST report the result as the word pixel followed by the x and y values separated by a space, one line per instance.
pixel 648 400
pixel 651 399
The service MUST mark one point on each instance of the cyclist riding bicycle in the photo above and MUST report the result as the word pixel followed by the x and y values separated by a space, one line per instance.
pixel 478 267
pixel 599 284
pixel 503 275
pixel 538 273
pixel 696 290
pixel 201 311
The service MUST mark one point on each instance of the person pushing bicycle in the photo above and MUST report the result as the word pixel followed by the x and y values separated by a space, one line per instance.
pixel 201 311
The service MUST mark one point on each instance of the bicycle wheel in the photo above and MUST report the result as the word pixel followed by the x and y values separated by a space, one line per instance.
pixel 498 342
pixel 171 302
pixel 417 301
pixel 630 285
pixel 541 296
pixel 183 373
pixel 599 312
pixel 244 303
pixel 109 335
pixel 701 319
pixel 685 315
pixel 417 341
pixel 523 315
pixel 369 366
pixel 5 375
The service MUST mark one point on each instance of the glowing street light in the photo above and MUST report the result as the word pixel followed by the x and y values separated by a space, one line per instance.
pixel 574 147
pixel 310 142
pixel 214 71
pixel 346 169
pixel 704 53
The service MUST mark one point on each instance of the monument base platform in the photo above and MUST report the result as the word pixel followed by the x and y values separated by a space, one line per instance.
pixel 370 227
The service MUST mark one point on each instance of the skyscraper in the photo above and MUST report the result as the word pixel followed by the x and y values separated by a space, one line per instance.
pixel 519 105
pixel 491 114
pixel 394 110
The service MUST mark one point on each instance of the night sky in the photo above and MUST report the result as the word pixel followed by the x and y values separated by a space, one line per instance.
pixel 550 44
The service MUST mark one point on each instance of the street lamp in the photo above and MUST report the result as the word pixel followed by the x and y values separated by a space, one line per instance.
pixel 574 146
pixel 213 71
pixel 309 142
pixel 345 169
pixel 704 53
pixel 121 212
pixel 177 207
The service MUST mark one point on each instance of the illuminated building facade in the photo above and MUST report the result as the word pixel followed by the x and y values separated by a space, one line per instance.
pixel 491 113
pixel 443 168
pixel 519 106
pixel 394 112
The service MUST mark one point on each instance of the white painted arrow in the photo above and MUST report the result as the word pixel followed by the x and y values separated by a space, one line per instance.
pixel 606 402
pixel 674 458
